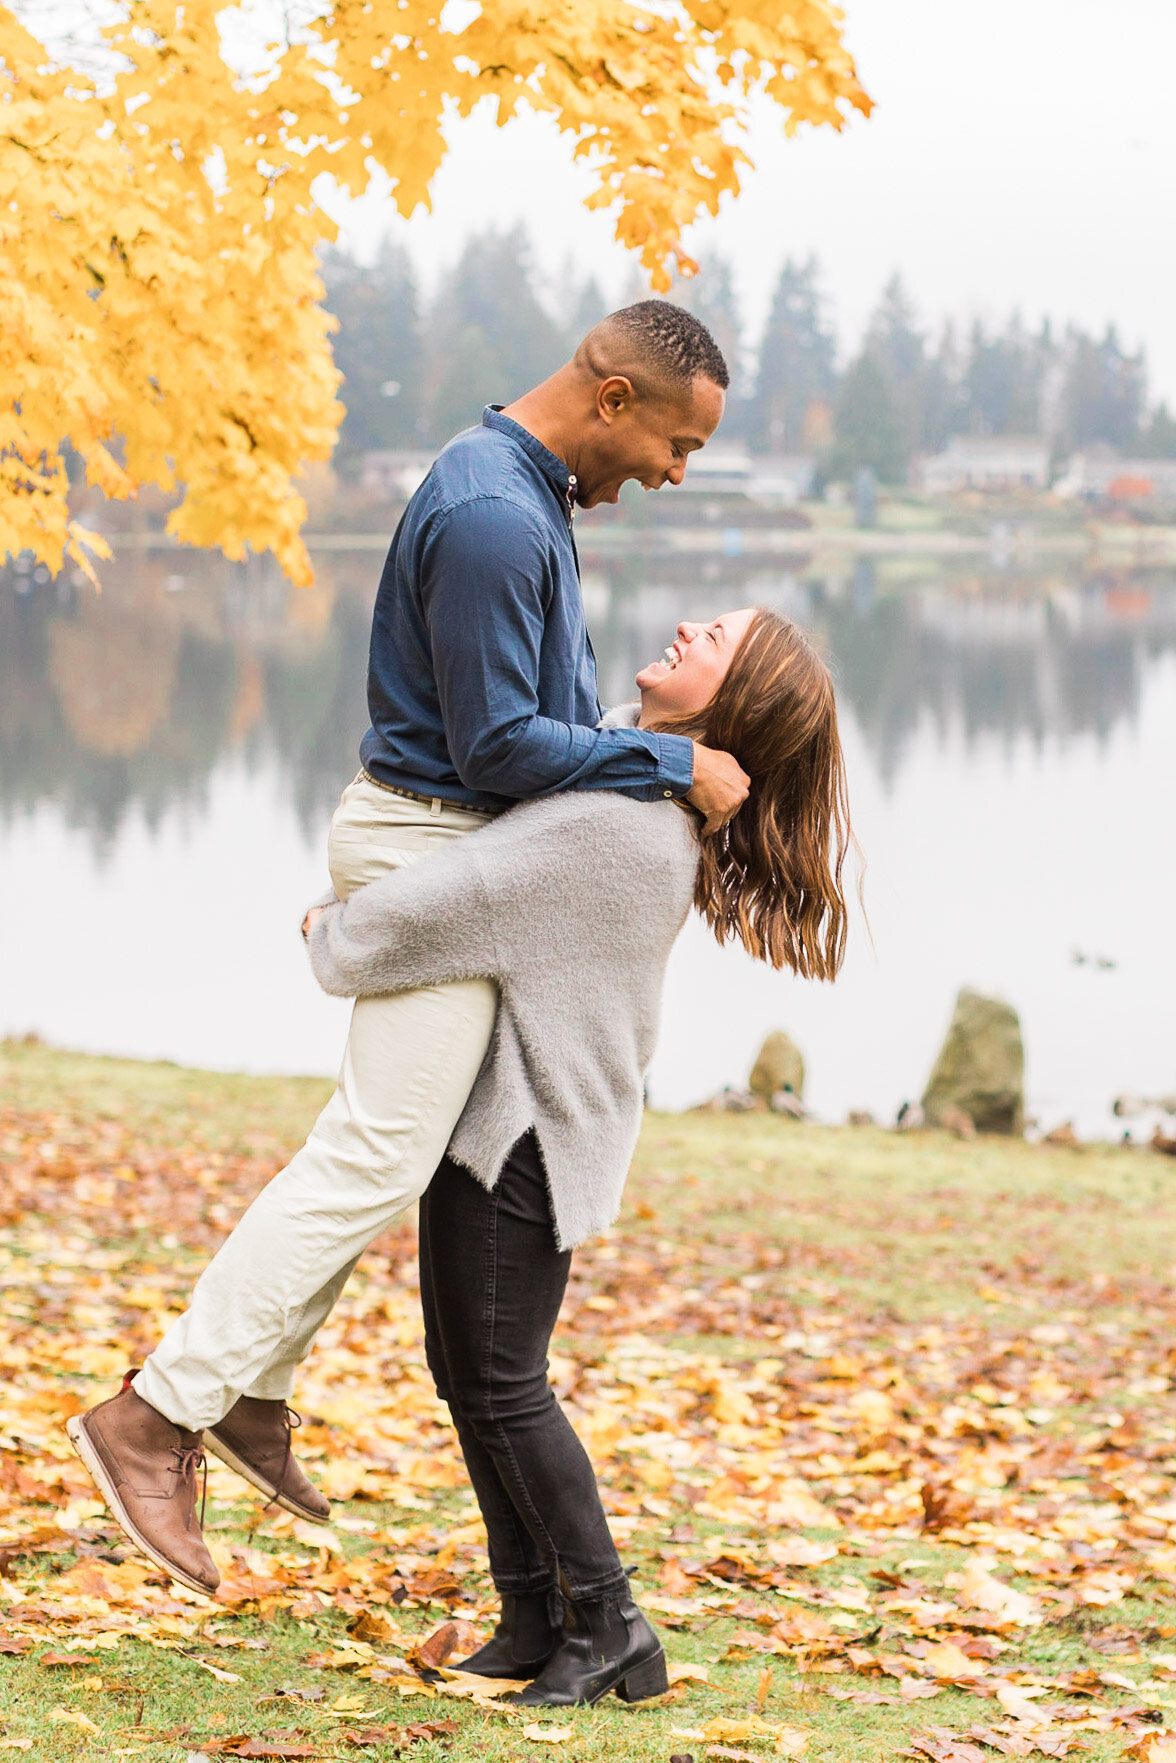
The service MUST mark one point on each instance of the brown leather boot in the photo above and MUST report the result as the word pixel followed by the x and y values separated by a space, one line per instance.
pixel 145 1469
pixel 254 1439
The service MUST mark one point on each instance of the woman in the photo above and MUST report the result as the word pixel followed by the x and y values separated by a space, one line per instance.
pixel 571 905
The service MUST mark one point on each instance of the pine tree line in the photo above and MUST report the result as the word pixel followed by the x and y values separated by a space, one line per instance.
pixel 415 374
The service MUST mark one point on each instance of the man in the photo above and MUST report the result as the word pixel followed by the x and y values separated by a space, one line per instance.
pixel 482 691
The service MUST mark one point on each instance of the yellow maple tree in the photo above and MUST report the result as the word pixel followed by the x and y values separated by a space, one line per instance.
pixel 159 299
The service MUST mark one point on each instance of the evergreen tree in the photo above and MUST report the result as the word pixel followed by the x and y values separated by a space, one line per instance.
pixel 710 296
pixel 1024 400
pixel 1002 382
pixel 492 339
pixel 892 335
pixel 900 352
pixel 1158 439
pixel 868 424
pixel 591 307
pixel 377 348
pixel 942 413
pixel 1104 391
pixel 796 373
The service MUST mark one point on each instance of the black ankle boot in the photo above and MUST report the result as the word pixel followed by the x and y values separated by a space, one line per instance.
pixel 522 1643
pixel 606 1646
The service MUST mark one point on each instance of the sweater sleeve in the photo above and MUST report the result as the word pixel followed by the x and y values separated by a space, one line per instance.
pixel 427 924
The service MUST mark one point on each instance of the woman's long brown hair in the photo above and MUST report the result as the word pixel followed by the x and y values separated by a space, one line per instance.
pixel 772 877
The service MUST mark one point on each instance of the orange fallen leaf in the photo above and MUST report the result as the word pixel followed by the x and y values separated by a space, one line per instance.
pixel 947 1662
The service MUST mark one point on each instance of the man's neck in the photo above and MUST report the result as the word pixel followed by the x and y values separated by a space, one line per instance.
pixel 552 412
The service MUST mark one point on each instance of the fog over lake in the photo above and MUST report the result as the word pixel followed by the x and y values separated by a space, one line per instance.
pixel 171 751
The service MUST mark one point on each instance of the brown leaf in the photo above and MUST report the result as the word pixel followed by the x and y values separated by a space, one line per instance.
pixel 276 1746
pixel 434 1585
pixel 419 1732
pixel 437 1649
pixel 945 1746
pixel 224 1746
pixel 1011 1744
pixel 371 1626
pixel 69 1660
pixel 942 1507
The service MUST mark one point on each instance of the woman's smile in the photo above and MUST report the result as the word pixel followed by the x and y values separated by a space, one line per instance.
pixel 690 670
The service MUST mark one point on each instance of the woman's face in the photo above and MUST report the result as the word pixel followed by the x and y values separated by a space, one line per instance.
pixel 689 674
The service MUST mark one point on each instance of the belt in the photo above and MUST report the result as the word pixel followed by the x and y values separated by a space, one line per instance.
pixel 434 803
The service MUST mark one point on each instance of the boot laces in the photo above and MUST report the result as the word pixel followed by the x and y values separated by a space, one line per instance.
pixel 291 1419
pixel 190 1458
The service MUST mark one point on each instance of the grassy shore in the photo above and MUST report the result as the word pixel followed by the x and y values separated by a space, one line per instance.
pixel 884 1423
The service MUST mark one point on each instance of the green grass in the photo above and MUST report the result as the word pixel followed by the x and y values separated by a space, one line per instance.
pixel 742 1237
pixel 161 1103
pixel 913 1223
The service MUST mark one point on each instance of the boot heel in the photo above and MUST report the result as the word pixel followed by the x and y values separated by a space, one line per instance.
pixel 644 1681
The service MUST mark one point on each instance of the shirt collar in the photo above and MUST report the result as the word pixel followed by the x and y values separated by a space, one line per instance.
pixel 548 462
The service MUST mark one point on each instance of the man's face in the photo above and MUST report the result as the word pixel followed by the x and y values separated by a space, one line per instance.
pixel 646 439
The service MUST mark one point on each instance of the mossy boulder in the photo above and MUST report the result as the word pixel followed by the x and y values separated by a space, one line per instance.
pixel 980 1071
pixel 779 1066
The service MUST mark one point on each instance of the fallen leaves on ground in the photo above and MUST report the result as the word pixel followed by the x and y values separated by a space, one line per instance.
pixel 732 1401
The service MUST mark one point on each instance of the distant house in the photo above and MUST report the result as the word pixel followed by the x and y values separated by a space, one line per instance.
pixel 1100 471
pixel 985 462
pixel 394 472
pixel 779 480
pixel 773 480
pixel 718 471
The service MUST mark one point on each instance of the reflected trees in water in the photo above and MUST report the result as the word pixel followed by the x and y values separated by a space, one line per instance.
pixel 130 701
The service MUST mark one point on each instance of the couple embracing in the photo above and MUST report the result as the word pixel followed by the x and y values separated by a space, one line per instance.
pixel 510 870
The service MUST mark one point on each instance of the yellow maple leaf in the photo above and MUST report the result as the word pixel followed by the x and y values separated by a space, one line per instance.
pixel 946 1660
pixel 159 217
pixel 71 1717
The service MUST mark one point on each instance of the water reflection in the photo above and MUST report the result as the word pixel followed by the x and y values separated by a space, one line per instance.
pixel 131 699
pixel 170 753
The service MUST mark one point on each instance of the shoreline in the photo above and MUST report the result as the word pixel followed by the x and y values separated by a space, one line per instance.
pixel 86 1080
pixel 1112 546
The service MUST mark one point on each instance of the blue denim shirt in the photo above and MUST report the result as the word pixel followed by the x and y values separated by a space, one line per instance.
pixel 481 677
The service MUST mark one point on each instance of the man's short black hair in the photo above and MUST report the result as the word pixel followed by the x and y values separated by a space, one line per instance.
pixel 675 344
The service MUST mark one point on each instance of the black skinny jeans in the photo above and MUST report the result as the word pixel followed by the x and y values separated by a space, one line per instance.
pixel 492 1281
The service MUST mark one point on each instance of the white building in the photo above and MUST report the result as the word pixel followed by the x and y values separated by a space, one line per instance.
pixel 1100 471
pixel 780 480
pixel 395 472
pixel 717 471
pixel 985 462
pixel 775 480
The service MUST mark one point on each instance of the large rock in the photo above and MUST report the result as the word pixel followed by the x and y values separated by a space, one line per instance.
pixel 779 1066
pixel 980 1070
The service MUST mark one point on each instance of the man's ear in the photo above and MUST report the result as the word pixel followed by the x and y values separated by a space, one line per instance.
pixel 613 396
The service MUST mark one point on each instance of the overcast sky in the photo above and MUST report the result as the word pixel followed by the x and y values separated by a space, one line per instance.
pixel 1022 153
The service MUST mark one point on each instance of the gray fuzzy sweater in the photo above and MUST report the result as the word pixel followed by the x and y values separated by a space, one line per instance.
pixel 571 904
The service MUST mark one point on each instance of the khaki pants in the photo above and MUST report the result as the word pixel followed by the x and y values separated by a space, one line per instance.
pixel 409 1066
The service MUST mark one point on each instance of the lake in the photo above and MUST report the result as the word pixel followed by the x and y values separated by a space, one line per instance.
pixel 171 751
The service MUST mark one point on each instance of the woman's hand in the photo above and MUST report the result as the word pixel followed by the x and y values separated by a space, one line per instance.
pixel 308 922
